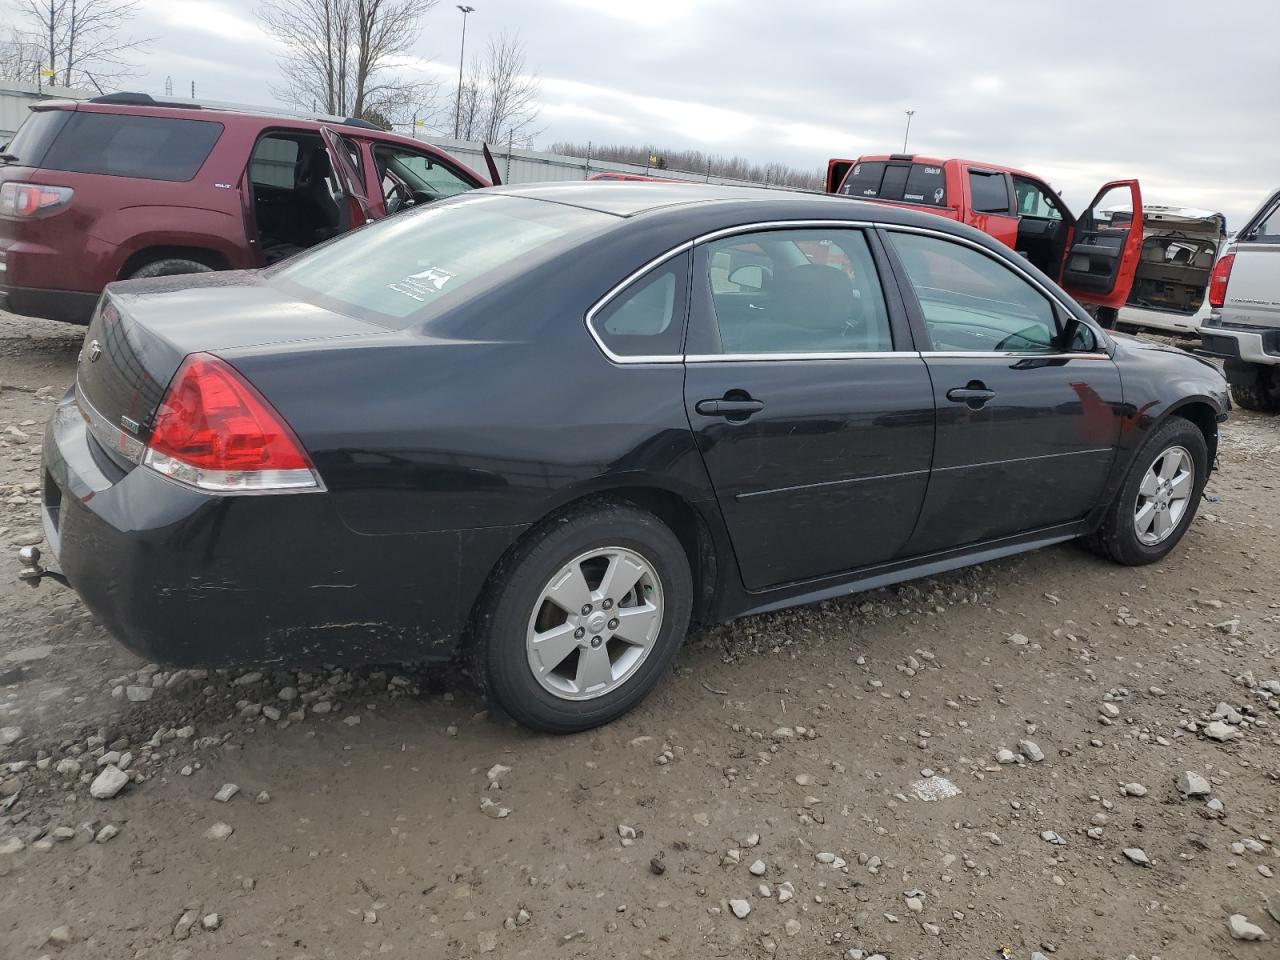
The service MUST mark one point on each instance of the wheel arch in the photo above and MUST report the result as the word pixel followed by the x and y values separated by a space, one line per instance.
pixel 140 258
pixel 1202 412
pixel 680 514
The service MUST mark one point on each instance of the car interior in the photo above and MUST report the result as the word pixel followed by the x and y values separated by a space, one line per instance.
pixel 295 194
pixel 1043 225
pixel 1173 273
pixel 797 292
pixel 1097 248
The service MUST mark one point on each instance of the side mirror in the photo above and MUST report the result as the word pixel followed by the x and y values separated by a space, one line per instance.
pixel 1071 328
pixel 750 276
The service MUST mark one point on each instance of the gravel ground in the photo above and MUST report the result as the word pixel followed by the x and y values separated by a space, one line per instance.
pixel 987 761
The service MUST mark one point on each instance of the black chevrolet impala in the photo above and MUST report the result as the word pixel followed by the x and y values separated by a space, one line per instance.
pixel 550 427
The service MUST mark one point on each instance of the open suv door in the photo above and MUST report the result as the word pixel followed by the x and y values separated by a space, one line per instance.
pixel 354 203
pixel 1105 247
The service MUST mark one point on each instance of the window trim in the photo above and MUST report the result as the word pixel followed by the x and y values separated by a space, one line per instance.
pixel 1105 349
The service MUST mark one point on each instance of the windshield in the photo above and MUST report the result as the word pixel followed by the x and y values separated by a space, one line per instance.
pixel 394 272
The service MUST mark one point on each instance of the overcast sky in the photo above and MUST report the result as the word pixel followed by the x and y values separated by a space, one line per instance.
pixel 1181 95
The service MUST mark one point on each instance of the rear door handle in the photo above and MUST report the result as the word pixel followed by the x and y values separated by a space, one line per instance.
pixel 974 394
pixel 728 408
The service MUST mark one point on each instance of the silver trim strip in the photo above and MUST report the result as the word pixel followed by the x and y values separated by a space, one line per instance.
pixel 617 289
pixel 108 435
pixel 744 357
pixel 1005 355
pixel 781 225
pixel 1042 456
pixel 829 483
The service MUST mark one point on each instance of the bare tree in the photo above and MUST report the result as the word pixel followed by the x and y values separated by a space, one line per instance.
pixel 341 54
pixel 507 92
pixel 82 41
pixel 19 56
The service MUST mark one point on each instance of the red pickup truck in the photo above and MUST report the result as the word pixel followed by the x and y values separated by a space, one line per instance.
pixel 1094 257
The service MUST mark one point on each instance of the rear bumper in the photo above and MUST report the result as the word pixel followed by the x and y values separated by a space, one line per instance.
pixel 1247 346
pixel 189 579
pixel 67 306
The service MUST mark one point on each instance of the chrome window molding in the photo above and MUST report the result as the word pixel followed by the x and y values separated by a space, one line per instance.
pixel 1102 354
pixel 619 288
pixel 743 357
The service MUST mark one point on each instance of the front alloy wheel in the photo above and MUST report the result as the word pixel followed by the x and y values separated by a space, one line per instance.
pixel 1164 495
pixel 594 623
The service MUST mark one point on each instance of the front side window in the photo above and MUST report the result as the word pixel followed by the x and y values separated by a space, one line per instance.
pixel 404 269
pixel 972 302
pixel 120 145
pixel 1034 200
pixel 989 192
pixel 647 319
pixel 794 292
pixel 424 177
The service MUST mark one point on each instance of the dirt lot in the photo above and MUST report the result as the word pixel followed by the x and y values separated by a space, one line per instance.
pixel 796 740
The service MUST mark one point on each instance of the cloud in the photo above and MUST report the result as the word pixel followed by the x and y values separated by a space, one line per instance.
pixel 1079 94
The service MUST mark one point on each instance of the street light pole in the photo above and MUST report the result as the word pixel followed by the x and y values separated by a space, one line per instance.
pixel 462 58
pixel 910 114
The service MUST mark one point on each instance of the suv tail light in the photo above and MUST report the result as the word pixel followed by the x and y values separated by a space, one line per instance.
pixel 1218 280
pixel 215 432
pixel 29 201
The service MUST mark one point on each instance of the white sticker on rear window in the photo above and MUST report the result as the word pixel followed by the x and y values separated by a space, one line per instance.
pixel 423 285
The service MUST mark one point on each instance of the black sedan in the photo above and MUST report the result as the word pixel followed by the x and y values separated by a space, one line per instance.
pixel 550 427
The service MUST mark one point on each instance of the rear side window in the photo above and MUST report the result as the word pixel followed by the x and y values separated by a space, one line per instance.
pixel 647 319
pixel 990 192
pixel 34 136
pixel 118 145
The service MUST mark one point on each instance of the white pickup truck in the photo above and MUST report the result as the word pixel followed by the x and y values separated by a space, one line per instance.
pixel 1243 328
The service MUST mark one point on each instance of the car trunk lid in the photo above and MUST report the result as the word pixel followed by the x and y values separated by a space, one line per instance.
pixel 143 329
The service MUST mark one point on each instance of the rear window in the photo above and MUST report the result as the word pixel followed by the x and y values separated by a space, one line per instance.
pixel 119 145
pixel 395 271
pixel 919 183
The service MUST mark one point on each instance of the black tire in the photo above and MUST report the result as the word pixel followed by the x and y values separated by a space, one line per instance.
pixel 169 267
pixel 1116 538
pixel 504 614
pixel 1255 397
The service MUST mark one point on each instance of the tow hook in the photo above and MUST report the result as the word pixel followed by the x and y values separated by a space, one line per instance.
pixel 33 573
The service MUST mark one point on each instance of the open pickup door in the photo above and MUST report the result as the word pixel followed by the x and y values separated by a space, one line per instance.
pixel 1105 247
pixel 353 203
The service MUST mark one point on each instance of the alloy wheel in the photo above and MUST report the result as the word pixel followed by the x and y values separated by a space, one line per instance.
pixel 594 623
pixel 1164 495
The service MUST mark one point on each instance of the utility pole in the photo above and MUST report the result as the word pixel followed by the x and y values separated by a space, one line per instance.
pixel 462 59
pixel 910 114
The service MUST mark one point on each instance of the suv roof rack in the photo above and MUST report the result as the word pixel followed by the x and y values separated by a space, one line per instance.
pixel 130 99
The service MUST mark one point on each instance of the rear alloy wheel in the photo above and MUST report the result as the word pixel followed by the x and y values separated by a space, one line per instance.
pixel 170 267
pixel 1158 498
pixel 585 618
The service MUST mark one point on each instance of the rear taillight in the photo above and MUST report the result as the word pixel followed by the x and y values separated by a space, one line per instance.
pixel 29 201
pixel 1218 280
pixel 215 432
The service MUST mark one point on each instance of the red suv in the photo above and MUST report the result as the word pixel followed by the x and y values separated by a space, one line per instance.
pixel 126 186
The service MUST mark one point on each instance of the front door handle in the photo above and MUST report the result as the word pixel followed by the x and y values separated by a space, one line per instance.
pixel 974 394
pixel 733 409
